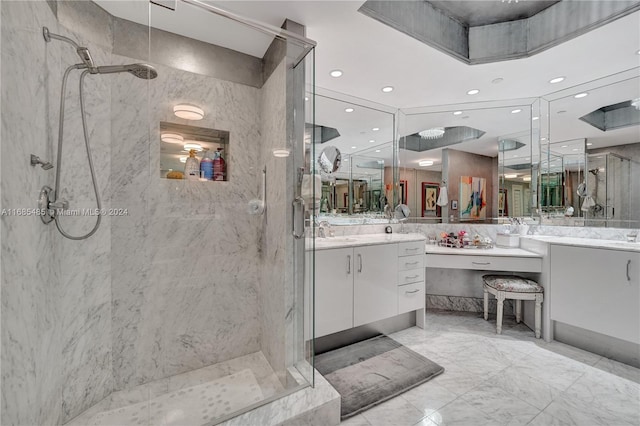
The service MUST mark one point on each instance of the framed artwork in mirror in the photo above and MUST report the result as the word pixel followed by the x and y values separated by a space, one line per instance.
pixel 473 198
pixel 403 192
pixel 430 193
pixel 503 205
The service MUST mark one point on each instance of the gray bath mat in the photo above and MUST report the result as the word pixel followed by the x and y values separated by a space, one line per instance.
pixel 375 370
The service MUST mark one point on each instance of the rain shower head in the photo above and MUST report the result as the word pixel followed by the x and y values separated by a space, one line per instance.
pixel 144 71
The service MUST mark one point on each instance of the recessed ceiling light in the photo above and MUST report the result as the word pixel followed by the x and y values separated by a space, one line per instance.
pixel 574 149
pixel 372 140
pixel 581 95
pixel 564 146
pixel 375 129
pixel 425 163
pixel 306 98
pixel 543 139
pixel 457 113
pixel 473 92
pixel 535 118
pixel 497 80
pixel 336 73
pixel 353 147
pixel 589 143
pixel 638 52
pixel 556 80
pixel 377 150
pixel 515 111
pixel 387 89
pixel 526 178
pixel 511 176
pixel 348 110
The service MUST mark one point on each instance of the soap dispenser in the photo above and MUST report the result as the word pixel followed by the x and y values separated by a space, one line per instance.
pixel 192 166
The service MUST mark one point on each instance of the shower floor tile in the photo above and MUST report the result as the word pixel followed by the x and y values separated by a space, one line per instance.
pixel 192 398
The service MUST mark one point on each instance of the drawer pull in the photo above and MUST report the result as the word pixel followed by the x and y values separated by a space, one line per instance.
pixel 411 292
pixel 628 264
pixel 348 264
pixel 410 263
pixel 412 249
pixel 411 277
pixel 481 263
pixel 360 259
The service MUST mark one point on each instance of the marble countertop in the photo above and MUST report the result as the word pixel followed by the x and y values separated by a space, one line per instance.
pixel 586 242
pixel 496 251
pixel 363 240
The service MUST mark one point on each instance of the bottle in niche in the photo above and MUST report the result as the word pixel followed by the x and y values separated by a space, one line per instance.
pixel 206 165
pixel 219 166
pixel 192 166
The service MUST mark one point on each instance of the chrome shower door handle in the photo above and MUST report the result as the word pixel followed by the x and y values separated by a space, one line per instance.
pixel 298 213
pixel 628 265
pixel 349 264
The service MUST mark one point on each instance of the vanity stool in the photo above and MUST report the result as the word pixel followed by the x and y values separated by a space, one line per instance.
pixel 516 288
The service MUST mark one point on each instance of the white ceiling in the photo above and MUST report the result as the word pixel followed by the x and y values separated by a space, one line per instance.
pixel 373 55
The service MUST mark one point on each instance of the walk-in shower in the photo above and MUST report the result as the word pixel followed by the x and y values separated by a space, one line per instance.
pixel 49 202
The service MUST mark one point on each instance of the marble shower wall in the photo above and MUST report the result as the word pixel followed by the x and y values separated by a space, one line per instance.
pixel 273 243
pixel 185 272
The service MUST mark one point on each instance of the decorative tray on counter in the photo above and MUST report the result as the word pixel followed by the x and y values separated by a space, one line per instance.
pixel 459 244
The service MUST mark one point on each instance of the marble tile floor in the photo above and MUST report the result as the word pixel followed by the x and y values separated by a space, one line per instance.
pixel 193 398
pixel 508 379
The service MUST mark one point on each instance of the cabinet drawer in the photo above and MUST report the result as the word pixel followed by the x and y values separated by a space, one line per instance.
pixel 484 263
pixel 411 248
pixel 410 262
pixel 410 297
pixel 411 276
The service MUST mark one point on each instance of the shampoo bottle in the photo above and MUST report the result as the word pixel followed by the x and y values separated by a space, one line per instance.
pixel 206 165
pixel 219 166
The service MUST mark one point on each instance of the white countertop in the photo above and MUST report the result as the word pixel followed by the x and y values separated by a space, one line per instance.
pixel 586 242
pixel 496 251
pixel 363 240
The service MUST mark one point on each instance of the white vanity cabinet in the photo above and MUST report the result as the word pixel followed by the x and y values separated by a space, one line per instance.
pixel 334 290
pixel 375 283
pixel 411 285
pixel 596 289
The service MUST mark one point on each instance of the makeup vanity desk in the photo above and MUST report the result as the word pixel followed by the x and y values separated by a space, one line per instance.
pixel 493 259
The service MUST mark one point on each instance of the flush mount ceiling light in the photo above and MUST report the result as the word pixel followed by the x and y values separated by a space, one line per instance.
pixel 171 138
pixel 511 176
pixel 425 163
pixel 195 146
pixel 348 110
pixel 636 103
pixel 473 92
pixel 556 80
pixel 457 113
pixel 581 95
pixel 280 153
pixel 387 89
pixel 336 73
pixel 434 133
pixel 188 112
pixel 515 111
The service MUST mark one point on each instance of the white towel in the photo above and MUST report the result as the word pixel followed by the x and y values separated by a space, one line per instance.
pixel 443 198
pixel 588 202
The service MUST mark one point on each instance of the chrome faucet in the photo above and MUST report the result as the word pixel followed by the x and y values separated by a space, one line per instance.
pixel 322 227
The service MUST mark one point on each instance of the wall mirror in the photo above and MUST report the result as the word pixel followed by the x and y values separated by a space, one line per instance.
pixel 481 152
pixel 363 132
pixel 591 153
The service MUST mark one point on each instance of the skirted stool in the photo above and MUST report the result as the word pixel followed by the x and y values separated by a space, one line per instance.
pixel 516 288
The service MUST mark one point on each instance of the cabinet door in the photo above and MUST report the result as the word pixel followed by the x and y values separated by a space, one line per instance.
pixel 596 289
pixel 334 291
pixel 375 285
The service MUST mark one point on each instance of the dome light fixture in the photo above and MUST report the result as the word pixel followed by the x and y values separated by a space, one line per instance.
pixel 192 146
pixel 171 138
pixel 280 153
pixel 188 112
pixel 434 133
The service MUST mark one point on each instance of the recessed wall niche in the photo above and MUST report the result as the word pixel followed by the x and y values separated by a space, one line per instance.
pixel 176 140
